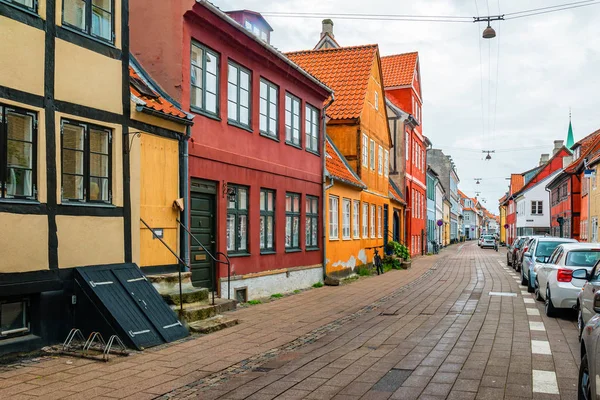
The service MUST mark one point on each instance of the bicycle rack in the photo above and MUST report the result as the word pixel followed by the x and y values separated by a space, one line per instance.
pixel 94 348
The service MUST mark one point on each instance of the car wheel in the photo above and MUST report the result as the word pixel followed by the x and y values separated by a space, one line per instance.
pixel 530 287
pixel 523 280
pixel 538 295
pixel 584 387
pixel 580 323
pixel 508 261
pixel 548 306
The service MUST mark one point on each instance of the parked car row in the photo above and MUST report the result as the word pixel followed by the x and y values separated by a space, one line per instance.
pixel 565 274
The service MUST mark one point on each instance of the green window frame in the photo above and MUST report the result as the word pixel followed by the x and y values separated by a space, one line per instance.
pixel 312 129
pixel 292 221
pixel 204 80
pixel 237 221
pixel 312 222
pixel 269 109
pixel 18 153
pixel 292 119
pixel 239 95
pixel 267 220
pixel 86 163
pixel 91 17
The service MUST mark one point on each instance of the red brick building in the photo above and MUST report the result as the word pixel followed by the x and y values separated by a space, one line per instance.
pixel 256 152
pixel 402 80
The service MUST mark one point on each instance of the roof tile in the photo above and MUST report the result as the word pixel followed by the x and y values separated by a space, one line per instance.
pixel 346 70
pixel 141 89
pixel 399 69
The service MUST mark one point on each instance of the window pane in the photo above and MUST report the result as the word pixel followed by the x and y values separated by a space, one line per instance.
pixel 288 203
pixel 19 182
pixel 211 102
pixel 72 187
pixel 72 162
pixel 262 231
pixel 99 141
pixel 296 232
pixel 270 201
pixel 288 231
pixel 263 123
pixel 232 112
pixel 263 90
pixel 270 232
pixel 243 197
pixel 232 74
pixel 74 13
pixel 242 233
pixel 211 63
pixel 315 231
pixel 19 154
pixel 244 97
pixel 230 232
pixel 12 316
pixel 244 80
pixel 296 203
pixel 196 97
pixel 211 83
pixel 27 3
pixel 20 127
pixel 99 165
pixel 98 189
pixel 102 21
pixel 272 127
pixel 263 199
pixel 73 137
pixel 273 94
pixel 232 94
pixel 244 116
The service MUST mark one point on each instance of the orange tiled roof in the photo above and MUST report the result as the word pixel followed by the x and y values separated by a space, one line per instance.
pixel 588 144
pixel 148 95
pixel 399 69
pixel 346 70
pixel 516 182
pixel 338 168
pixel 462 195
pixel 395 194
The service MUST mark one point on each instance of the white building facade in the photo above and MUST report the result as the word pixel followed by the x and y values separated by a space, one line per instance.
pixel 533 209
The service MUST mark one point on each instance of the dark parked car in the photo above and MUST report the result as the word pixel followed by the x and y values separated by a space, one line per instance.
pixel 512 251
pixel 589 369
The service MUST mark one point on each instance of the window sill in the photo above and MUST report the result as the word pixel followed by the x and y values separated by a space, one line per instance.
pixel 293 250
pixel 88 36
pixel 206 114
pixel 266 135
pixel 312 249
pixel 267 252
pixel 316 153
pixel 334 239
pixel 297 146
pixel 99 205
pixel 235 255
pixel 20 201
pixel 347 238
pixel 239 126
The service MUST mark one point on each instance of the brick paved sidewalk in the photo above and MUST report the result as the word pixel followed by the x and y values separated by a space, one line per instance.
pixel 264 331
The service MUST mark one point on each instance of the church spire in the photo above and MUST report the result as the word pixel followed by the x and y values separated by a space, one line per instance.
pixel 570 140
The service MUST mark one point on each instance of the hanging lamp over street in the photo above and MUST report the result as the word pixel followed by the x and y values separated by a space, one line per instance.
pixel 489 32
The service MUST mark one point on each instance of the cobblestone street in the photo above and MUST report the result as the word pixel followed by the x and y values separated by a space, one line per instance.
pixel 431 332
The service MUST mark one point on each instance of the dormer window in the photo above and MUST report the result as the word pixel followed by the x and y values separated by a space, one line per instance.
pixel 257 31
pixel 577 153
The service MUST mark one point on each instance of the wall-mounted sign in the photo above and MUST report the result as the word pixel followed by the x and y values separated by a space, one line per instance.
pixel 158 233
pixel 440 222
pixel 588 173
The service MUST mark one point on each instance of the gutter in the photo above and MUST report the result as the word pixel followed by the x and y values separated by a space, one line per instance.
pixel 325 186
pixel 185 192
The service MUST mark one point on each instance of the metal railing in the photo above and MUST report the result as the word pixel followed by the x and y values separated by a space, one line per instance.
pixel 216 260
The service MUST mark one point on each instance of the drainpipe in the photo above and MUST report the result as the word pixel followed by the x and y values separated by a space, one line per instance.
pixel 185 193
pixel 325 187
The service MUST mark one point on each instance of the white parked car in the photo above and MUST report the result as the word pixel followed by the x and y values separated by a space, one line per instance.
pixel 555 283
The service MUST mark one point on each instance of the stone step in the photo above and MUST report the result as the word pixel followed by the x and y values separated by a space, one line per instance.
pixel 212 324
pixel 203 310
pixel 189 295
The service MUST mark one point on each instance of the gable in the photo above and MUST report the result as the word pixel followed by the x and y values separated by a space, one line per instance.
pixel 417 80
pixel 374 118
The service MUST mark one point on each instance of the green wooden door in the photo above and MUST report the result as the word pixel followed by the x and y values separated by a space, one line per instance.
pixel 202 226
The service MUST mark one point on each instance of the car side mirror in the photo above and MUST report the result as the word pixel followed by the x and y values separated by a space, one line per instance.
pixel 597 302
pixel 582 274
pixel 527 254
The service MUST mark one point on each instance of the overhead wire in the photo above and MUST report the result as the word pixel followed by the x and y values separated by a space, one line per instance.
pixel 551 11
pixel 547 8
pixel 499 36
pixel 480 72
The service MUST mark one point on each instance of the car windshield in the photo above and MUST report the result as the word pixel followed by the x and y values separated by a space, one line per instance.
pixel 545 249
pixel 582 258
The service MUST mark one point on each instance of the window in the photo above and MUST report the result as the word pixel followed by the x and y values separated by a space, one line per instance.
pixel 312 129
pixel 13 318
pixel 380 160
pixel 292 119
pixel 345 219
pixel 386 163
pixel 372 155
pixel 372 220
pixel 238 95
pixel 268 108
pixel 18 154
pixel 376 101
pixel 93 17
pixel 356 219
pixel 256 30
pixel 407 146
pixel 595 231
pixel 312 222
pixel 30 4
pixel 537 208
pixel 237 221
pixel 292 221
pixel 86 163
pixel 379 222
pixel 365 220
pixel 267 219
pixel 333 218
pixel 365 151
pixel 204 80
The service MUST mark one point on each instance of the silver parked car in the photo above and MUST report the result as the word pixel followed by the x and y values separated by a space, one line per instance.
pixel 539 252
pixel 585 301
pixel 555 283
pixel 589 369
pixel 488 241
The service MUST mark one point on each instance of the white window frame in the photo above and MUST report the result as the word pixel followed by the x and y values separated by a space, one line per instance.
pixel 379 222
pixel 372 220
pixel 376 101
pixel 334 232
pixel 407 146
pixel 372 155
pixel 386 163
pixel 346 210
pixel 365 151
pixel 537 204
pixel 365 220
pixel 380 160
pixel 356 219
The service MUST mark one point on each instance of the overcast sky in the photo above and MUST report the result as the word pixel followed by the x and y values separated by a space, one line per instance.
pixel 546 64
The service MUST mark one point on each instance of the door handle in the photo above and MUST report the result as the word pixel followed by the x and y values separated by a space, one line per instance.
pixel 212 242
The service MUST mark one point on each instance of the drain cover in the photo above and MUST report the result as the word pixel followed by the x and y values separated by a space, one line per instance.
pixel 505 294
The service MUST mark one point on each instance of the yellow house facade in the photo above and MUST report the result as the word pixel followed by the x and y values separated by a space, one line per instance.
pixel 358 214
pixel 502 220
pixel 447 208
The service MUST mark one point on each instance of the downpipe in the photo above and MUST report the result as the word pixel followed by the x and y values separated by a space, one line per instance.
pixel 324 185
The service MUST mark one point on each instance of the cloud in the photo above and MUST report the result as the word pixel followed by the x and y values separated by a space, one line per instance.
pixel 547 64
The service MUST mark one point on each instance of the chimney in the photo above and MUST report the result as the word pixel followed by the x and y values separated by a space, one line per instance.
pixel 557 145
pixel 327 28
pixel 544 159
pixel 567 160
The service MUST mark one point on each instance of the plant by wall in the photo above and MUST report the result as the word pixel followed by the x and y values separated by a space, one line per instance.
pixel 399 250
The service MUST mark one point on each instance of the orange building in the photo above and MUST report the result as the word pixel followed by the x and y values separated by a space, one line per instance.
pixel 357 208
